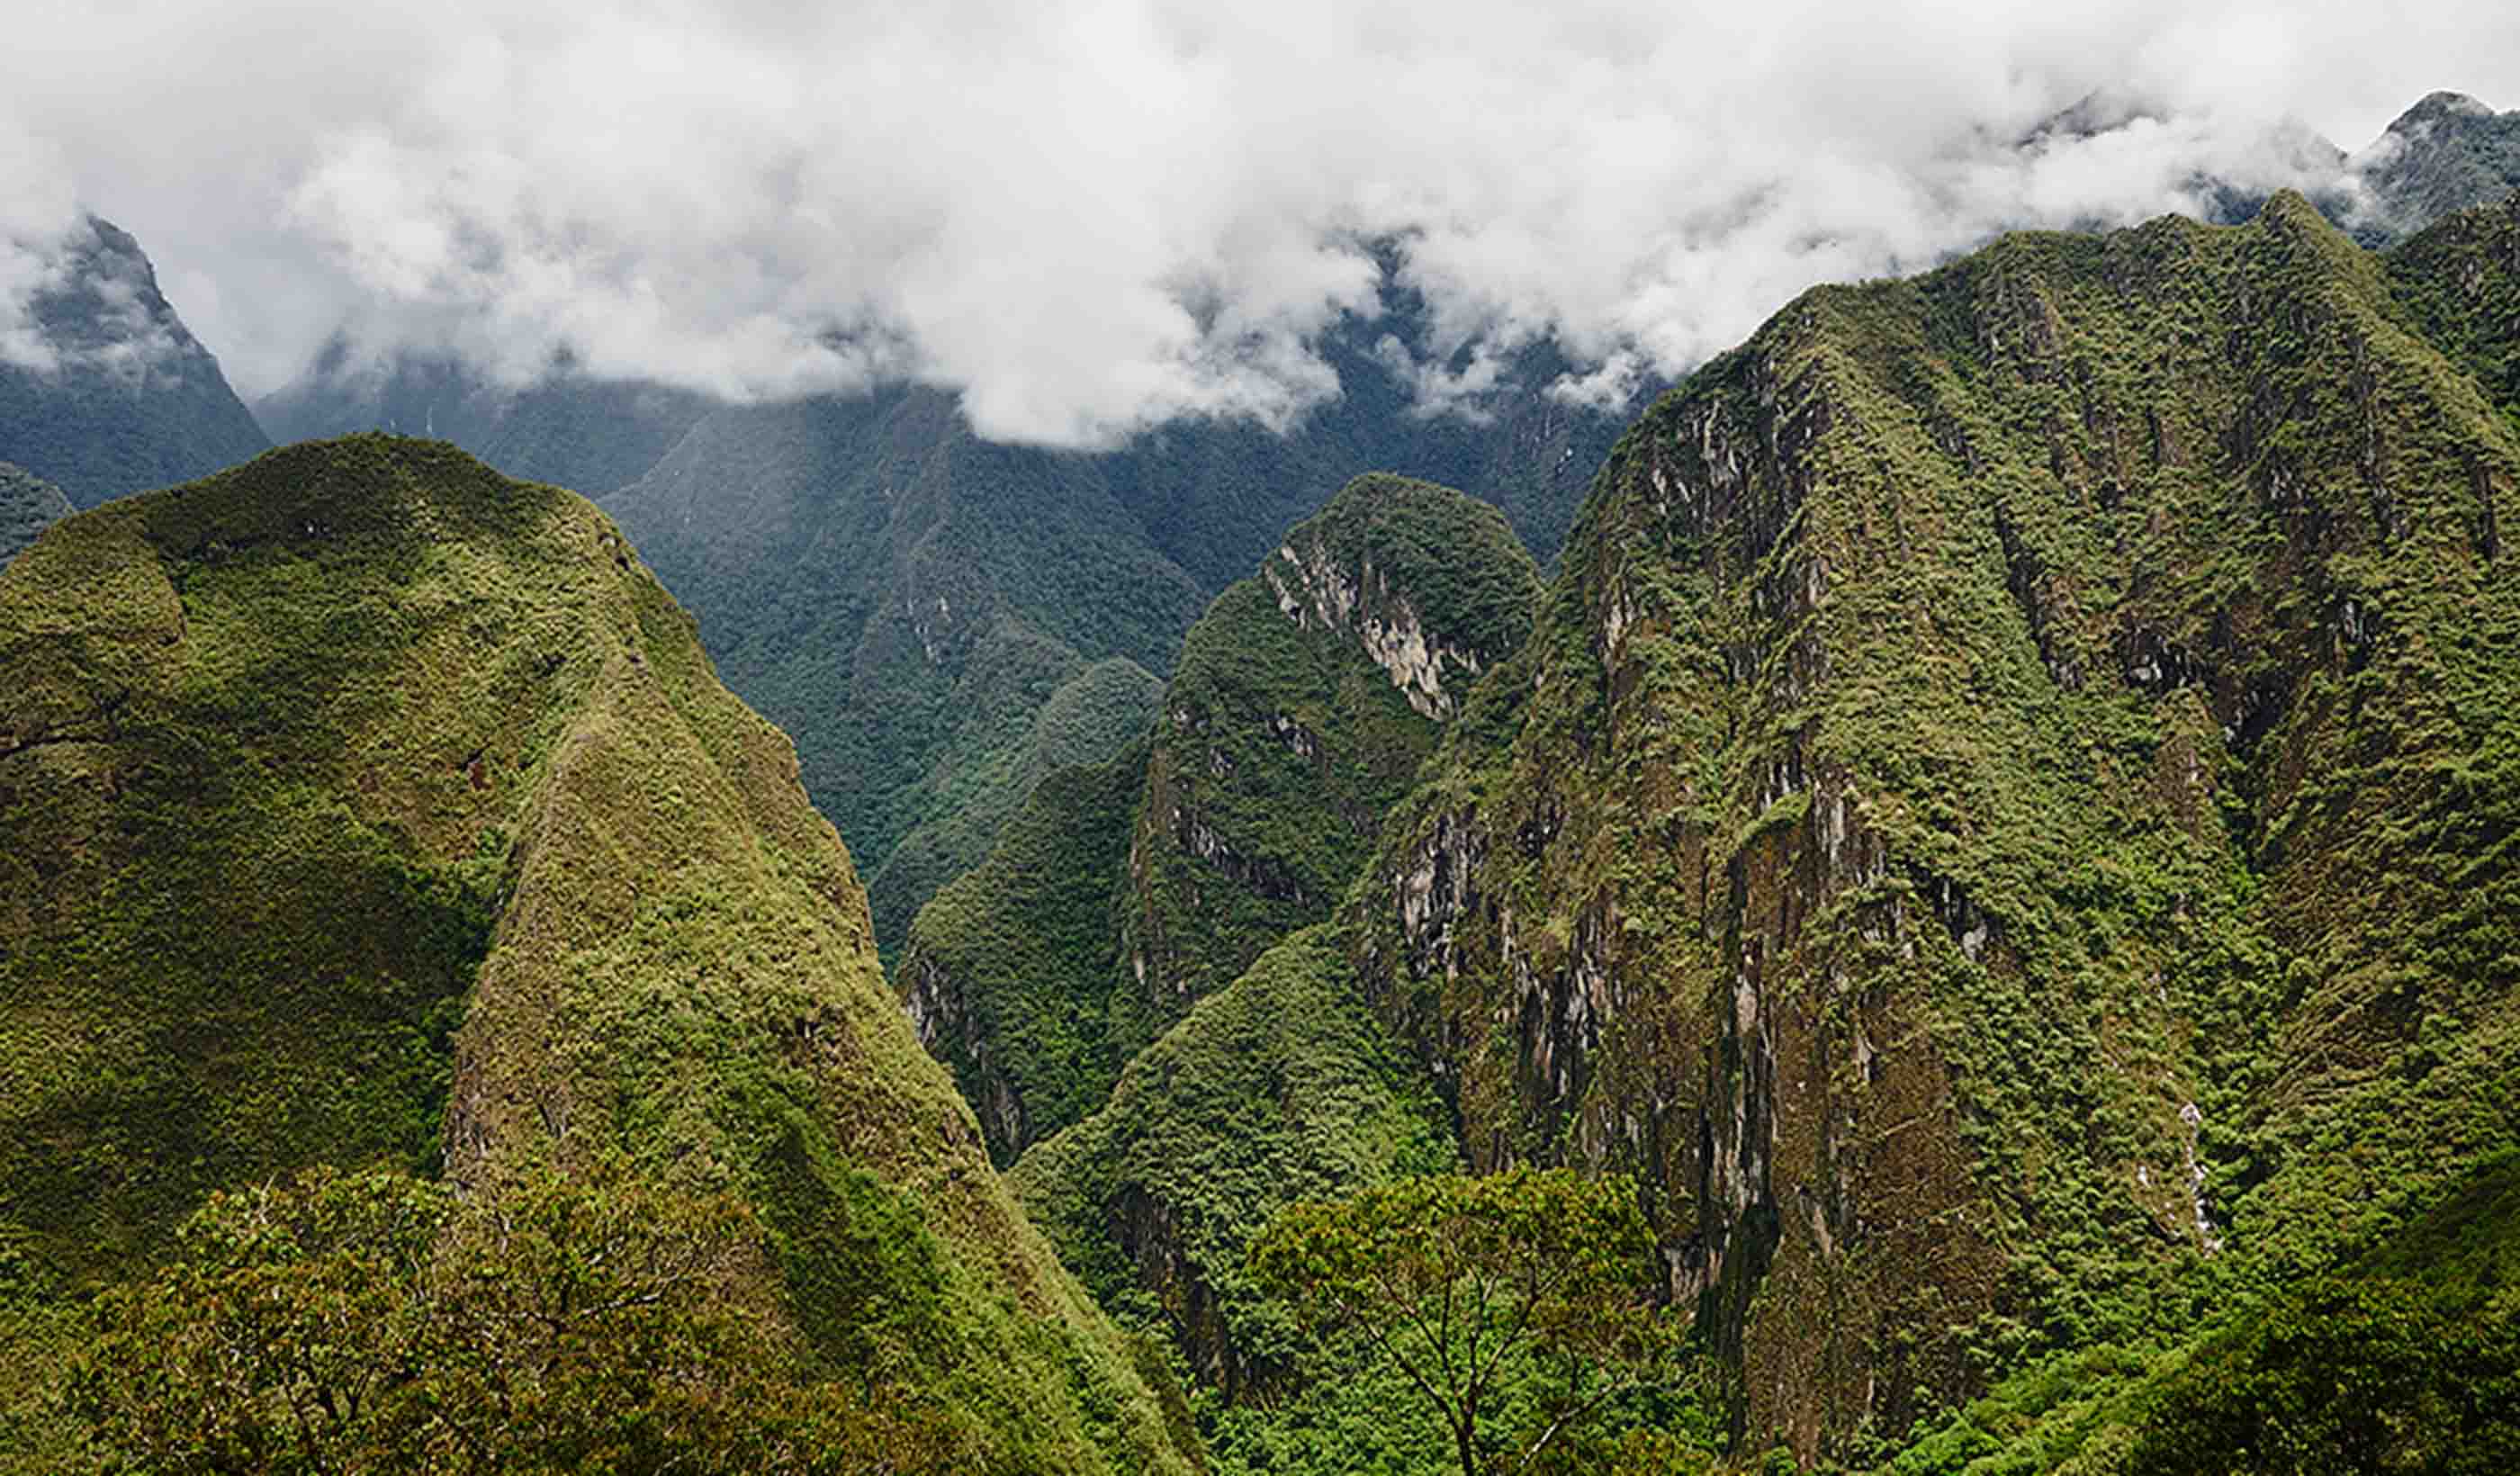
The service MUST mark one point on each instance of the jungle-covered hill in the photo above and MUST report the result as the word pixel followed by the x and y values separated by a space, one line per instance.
pixel 370 809
pixel 2003 823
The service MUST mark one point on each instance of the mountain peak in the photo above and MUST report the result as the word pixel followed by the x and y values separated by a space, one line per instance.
pixel 117 396
pixel 2434 106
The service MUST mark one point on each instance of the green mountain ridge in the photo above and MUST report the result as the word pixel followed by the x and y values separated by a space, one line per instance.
pixel 2000 696
pixel 2002 822
pixel 371 808
pixel 1301 707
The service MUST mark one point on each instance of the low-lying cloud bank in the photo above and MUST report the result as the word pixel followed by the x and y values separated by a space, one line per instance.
pixel 1090 216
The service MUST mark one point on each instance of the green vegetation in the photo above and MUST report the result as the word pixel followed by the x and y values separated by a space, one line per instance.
pixel 1279 1089
pixel 377 1322
pixel 904 598
pixel 382 812
pixel 1010 968
pixel 938 620
pixel 1113 901
pixel 28 504
pixel 2460 282
pixel 1458 1283
pixel 2001 825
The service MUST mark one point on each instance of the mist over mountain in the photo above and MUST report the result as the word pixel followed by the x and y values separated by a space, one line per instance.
pixel 1619 739
pixel 103 390
pixel 1137 214
pixel 2447 153
pixel 561 428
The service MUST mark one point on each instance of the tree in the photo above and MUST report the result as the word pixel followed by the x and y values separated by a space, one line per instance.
pixel 1462 1282
pixel 374 1322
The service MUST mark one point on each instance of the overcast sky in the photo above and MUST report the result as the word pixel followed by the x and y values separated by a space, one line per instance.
pixel 1092 215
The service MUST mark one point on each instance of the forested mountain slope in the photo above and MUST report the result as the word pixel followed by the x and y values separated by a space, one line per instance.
pixel 907 599
pixel 2003 823
pixel 2013 778
pixel 1299 711
pixel 112 394
pixel 368 808
pixel 940 620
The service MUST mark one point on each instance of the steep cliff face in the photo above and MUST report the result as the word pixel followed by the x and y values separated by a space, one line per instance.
pixel 106 393
pixel 2007 778
pixel 1300 710
pixel 363 805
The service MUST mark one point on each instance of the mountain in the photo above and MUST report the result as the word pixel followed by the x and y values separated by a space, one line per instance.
pixel 907 597
pixel 2003 824
pixel 366 807
pixel 2447 153
pixel 1299 711
pixel 113 395
pixel 941 620
pixel 565 428
pixel 28 504
pixel 2460 279
pixel 2004 788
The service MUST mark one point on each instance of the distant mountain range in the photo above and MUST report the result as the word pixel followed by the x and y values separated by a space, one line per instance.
pixel 920 606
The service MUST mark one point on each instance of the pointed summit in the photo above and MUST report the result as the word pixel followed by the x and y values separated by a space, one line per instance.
pixel 106 393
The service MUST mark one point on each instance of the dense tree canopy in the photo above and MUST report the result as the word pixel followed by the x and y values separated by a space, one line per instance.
pixel 357 1322
pixel 1461 1282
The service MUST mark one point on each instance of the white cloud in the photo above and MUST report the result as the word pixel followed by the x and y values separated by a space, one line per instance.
pixel 1093 216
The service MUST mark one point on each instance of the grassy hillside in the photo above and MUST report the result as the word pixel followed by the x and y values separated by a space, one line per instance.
pixel 367 807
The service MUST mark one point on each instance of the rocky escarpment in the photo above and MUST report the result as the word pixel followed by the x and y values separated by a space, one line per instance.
pixel 1950 830
pixel 1300 710
pixel 363 806
pixel 1289 727
pixel 1313 590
